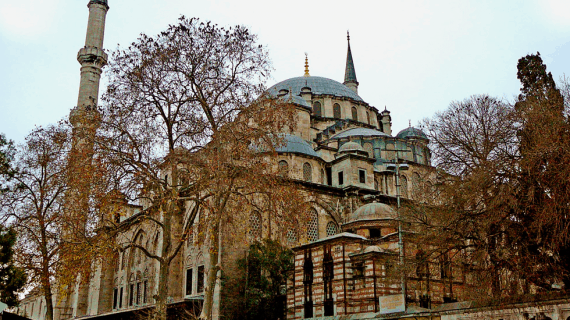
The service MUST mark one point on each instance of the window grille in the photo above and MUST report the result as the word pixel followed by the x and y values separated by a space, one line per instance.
pixel 313 227
pixel 255 226
pixel 331 229
pixel 336 110
pixel 307 172
pixel 291 237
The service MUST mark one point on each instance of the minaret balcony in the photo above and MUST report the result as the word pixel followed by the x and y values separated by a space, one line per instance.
pixel 92 55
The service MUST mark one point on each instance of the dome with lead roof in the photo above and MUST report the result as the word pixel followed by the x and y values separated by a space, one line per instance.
pixel 412 133
pixel 374 211
pixel 294 144
pixel 350 146
pixel 360 132
pixel 318 85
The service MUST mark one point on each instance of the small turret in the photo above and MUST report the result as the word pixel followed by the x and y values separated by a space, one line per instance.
pixel 349 73
pixel 386 121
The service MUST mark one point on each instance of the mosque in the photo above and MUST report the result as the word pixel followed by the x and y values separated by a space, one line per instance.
pixel 342 149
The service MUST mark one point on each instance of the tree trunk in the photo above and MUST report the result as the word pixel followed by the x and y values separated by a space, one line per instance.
pixel 49 301
pixel 160 312
pixel 212 275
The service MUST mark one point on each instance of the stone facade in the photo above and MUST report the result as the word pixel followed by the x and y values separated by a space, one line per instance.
pixel 340 154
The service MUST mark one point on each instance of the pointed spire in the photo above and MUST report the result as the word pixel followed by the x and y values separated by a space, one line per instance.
pixel 349 73
pixel 307 65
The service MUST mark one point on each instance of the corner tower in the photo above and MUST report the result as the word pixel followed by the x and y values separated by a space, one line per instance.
pixel 349 73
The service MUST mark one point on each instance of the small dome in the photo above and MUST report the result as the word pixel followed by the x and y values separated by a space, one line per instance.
pixel 411 133
pixel 294 144
pixel 350 147
pixel 374 211
pixel 360 132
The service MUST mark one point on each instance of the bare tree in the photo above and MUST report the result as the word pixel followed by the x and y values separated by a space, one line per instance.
pixel 183 131
pixel 503 201
pixel 33 205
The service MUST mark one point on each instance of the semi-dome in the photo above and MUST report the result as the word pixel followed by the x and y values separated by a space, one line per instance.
pixel 318 85
pixel 374 211
pixel 412 133
pixel 360 132
pixel 294 144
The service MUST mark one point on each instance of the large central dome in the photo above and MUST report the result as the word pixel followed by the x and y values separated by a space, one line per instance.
pixel 318 85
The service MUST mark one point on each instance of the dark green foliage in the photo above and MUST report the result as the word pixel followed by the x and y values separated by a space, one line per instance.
pixel 538 86
pixel 259 290
pixel 12 278
pixel 543 192
pixel 6 154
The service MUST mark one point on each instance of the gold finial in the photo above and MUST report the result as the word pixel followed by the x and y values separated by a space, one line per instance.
pixel 307 65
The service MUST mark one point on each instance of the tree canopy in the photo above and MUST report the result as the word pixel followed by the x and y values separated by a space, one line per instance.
pixel 186 130
pixel 503 195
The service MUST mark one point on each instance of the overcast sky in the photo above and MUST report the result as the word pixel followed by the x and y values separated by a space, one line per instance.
pixel 414 57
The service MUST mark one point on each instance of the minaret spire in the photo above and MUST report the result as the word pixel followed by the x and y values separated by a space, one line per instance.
pixel 349 73
pixel 306 66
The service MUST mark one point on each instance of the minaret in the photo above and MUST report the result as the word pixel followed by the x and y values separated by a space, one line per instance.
pixel 349 73
pixel 85 119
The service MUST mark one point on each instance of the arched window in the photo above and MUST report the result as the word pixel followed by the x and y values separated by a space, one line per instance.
pixel 317 109
pixel 331 229
pixel 283 168
pixel 313 226
pixel 367 117
pixel 291 237
pixel 368 148
pixel 307 172
pixel 354 114
pixel 139 253
pixel 255 228
pixel 416 185
pixel 322 176
pixel 376 186
pixel 403 186
pixel 336 111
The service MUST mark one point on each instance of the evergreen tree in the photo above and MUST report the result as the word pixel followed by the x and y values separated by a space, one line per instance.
pixel 263 276
pixel 543 178
pixel 12 278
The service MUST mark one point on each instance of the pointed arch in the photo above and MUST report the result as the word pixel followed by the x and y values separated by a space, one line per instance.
pixel 313 226
pixel 336 111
